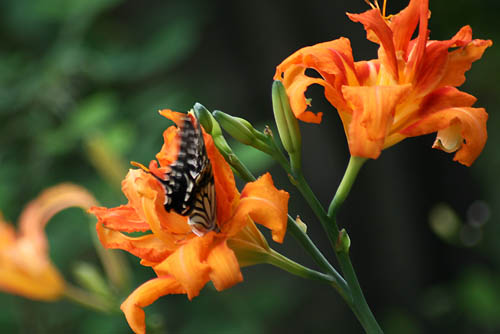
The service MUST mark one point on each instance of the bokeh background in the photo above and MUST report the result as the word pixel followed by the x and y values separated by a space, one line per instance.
pixel 80 85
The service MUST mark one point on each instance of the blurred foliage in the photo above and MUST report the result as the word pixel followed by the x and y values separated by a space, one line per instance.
pixel 80 84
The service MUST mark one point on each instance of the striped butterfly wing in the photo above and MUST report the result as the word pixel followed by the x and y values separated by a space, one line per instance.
pixel 189 184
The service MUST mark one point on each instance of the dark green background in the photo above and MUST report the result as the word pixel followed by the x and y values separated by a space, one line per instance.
pixel 85 74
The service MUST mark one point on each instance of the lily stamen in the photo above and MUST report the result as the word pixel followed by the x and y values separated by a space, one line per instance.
pixel 375 5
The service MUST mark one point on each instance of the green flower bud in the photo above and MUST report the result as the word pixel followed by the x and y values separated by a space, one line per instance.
pixel 343 242
pixel 204 116
pixel 241 130
pixel 301 224
pixel 213 128
pixel 288 126
pixel 238 128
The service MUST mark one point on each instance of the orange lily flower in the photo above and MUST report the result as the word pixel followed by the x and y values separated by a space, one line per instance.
pixel 408 91
pixel 25 267
pixel 185 261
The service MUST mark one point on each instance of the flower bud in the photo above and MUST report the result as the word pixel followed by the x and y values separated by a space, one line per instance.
pixel 343 242
pixel 213 128
pixel 239 128
pixel 301 224
pixel 204 116
pixel 288 126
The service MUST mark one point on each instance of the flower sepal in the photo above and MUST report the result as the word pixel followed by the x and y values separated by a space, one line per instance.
pixel 250 246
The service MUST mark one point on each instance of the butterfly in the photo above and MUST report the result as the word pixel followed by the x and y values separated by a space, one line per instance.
pixel 189 183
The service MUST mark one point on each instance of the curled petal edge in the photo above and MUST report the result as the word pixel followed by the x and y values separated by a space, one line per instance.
pixel 144 296
pixel 458 129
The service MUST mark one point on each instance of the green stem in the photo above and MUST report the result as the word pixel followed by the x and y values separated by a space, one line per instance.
pixel 349 288
pixel 299 235
pixel 241 169
pixel 359 306
pixel 357 302
pixel 331 228
pixel 338 281
pixel 355 164
pixel 91 301
pixel 281 261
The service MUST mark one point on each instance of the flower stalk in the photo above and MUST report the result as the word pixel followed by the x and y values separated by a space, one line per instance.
pixel 355 164
pixel 276 259
pixel 340 243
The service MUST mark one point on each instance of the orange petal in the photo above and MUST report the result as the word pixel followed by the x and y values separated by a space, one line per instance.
pixel 123 218
pixel 146 195
pixel 170 149
pixel 367 72
pixel 444 98
pixel 403 25
pixel 296 84
pixel 432 66
pixel 321 58
pixel 374 108
pixel 463 36
pixel 460 61
pixel 7 234
pixel 26 270
pixel 378 31
pixel 147 247
pixel 435 60
pixel 264 204
pixel 225 270
pixel 227 194
pixel 53 200
pixel 187 264
pixel 42 284
pixel 144 296
pixel 176 117
pixel 332 60
pixel 416 55
pixel 459 129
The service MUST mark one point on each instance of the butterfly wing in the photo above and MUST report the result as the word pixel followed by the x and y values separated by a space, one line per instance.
pixel 189 184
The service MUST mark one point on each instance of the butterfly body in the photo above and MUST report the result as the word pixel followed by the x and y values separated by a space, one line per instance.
pixel 189 183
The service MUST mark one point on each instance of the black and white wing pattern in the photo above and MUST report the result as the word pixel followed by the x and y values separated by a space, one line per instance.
pixel 189 185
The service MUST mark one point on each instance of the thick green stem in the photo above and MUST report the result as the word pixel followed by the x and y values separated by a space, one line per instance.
pixel 355 164
pixel 359 304
pixel 357 301
pixel 338 281
pixel 241 169
pixel 330 227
